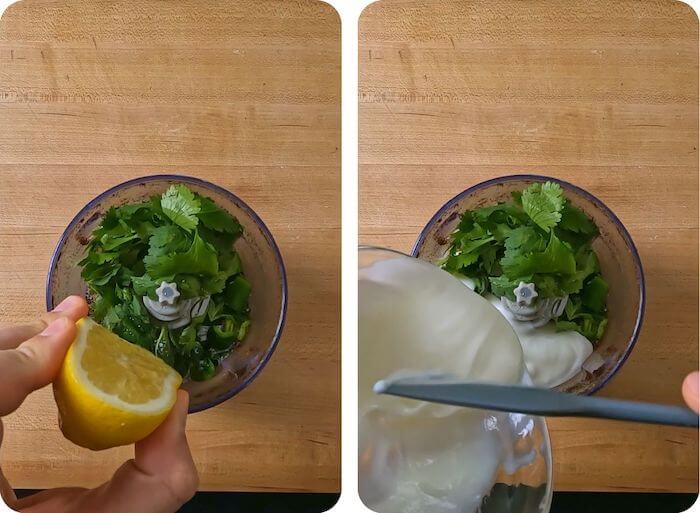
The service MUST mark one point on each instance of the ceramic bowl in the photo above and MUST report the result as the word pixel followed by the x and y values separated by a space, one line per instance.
pixel 618 256
pixel 262 264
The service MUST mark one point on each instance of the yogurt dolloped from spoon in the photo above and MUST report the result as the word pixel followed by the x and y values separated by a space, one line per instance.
pixel 551 357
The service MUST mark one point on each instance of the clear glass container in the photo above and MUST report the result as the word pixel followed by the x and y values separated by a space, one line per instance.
pixel 522 482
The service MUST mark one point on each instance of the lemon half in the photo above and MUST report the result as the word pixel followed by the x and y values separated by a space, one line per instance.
pixel 110 392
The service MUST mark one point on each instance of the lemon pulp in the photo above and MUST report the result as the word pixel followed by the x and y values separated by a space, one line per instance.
pixel 110 392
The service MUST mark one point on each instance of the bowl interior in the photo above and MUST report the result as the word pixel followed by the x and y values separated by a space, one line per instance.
pixel 261 262
pixel 618 258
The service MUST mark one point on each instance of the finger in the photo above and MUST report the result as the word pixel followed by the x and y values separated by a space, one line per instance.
pixel 7 494
pixel 168 439
pixel 50 501
pixel 6 491
pixel 691 391
pixel 73 307
pixel 160 480
pixel 34 364
pixel 165 453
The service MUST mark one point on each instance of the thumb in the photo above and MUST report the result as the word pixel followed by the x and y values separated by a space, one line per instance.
pixel 691 391
pixel 34 363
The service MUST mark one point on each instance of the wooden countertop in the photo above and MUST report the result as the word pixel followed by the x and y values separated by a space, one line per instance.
pixel 244 94
pixel 602 94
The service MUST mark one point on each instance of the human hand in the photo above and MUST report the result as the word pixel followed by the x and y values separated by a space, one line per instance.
pixel 160 478
pixel 691 385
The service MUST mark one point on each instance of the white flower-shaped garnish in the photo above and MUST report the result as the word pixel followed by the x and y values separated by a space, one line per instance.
pixel 525 293
pixel 167 293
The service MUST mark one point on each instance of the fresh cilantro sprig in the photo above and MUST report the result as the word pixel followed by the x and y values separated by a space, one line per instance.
pixel 538 237
pixel 179 237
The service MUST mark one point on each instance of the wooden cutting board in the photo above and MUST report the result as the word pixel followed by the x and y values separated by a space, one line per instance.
pixel 244 94
pixel 602 94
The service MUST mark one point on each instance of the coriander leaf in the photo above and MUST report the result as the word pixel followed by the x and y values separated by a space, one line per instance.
pixel 489 259
pixel 216 218
pixel 573 306
pixel 145 285
pixel 525 239
pixel 215 309
pixel 543 202
pixel 586 265
pixel 500 219
pixel 112 317
pixel 468 246
pixel 181 206
pixel 188 339
pixel 229 265
pixel 99 274
pixel 237 293
pixel 594 294
pixel 574 220
pixel 547 286
pixel 100 307
pixel 456 263
pixel 166 239
pixel 99 258
pixel 503 286
pixel 199 259
pixel 127 211
pixel 481 284
pixel 188 285
pixel 566 326
pixel 222 241
pixel 110 242
pixel 557 258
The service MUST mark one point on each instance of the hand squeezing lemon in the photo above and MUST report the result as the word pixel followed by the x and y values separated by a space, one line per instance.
pixel 110 392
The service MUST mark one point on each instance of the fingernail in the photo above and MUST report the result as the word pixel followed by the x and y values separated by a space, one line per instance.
pixel 54 327
pixel 66 304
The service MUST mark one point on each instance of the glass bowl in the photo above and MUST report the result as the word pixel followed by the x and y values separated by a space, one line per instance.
pixel 619 261
pixel 521 482
pixel 260 257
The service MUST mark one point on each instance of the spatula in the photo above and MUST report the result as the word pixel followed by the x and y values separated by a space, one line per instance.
pixel 534 401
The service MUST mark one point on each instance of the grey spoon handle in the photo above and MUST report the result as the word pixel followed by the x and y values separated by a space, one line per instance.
pixel 536 401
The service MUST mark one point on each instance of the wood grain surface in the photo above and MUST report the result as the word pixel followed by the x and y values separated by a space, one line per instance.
pixel 244 94
pixel 602 94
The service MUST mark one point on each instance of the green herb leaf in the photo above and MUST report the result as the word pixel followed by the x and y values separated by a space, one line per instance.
pixel 181 206
pixel 237 293
pixel 543 202
pixel 179 237
pixel 574 220
pixel 200 258
pixel 167 239
pixel 556 258
pixel 594 294
pixel 216 218
pixel 540 238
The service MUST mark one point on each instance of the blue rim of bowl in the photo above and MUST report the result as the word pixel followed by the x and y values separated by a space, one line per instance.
pixel 235 199
pixel 639 270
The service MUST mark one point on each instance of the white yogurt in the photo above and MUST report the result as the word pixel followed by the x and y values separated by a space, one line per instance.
pixel 551 357
pixel 416 456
